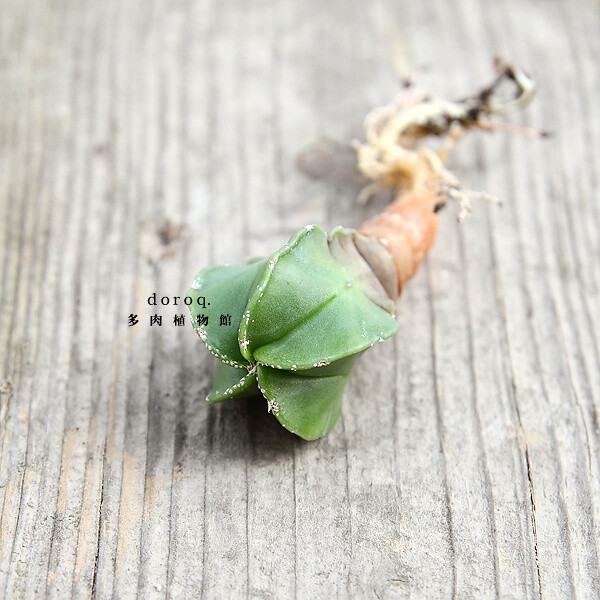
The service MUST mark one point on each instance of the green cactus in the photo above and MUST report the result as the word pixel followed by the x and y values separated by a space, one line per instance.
pixel 299 321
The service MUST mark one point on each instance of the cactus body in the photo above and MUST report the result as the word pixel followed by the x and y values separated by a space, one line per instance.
pixel 299 321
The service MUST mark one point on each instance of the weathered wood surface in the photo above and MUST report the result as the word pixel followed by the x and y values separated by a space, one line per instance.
pixel 143 140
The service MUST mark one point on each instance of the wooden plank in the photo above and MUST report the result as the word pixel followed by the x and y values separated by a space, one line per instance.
pixel 142 141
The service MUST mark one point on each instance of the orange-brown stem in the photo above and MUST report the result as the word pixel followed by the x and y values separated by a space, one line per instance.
pixel 407 229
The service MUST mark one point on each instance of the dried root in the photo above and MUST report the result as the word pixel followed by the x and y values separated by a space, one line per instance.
pixel 393 157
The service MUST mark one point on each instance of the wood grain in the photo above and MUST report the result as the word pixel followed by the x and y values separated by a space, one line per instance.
pixel 142 141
